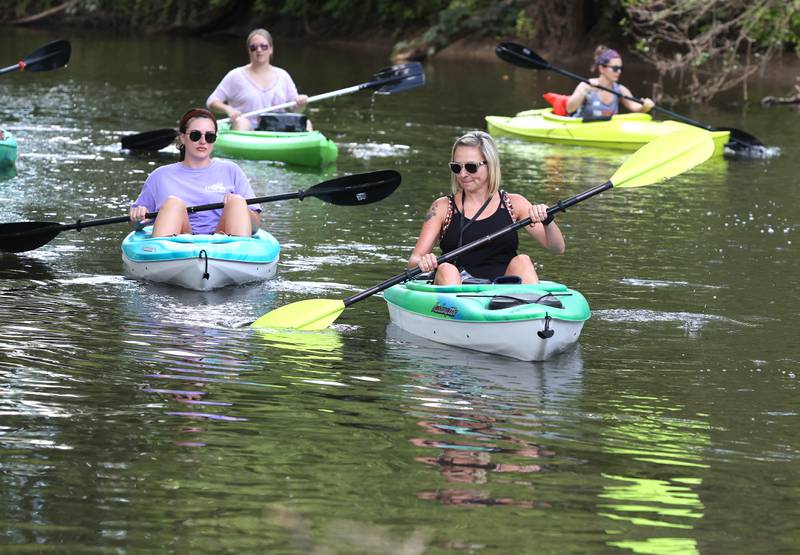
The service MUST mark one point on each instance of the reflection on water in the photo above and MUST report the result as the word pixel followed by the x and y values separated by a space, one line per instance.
pixel 7 171
pixel 479 417
pixel 648 510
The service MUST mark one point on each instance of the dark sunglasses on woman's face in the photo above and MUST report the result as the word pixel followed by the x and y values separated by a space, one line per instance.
pixel 195 135
pixel 471 167
pixel 262 46
pixel 613 68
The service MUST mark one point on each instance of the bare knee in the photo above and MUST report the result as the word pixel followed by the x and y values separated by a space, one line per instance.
pixel 522 266
pixel 172 218
pixel 173 203
pixel 447 274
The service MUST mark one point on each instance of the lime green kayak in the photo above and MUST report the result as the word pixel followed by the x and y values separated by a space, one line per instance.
pixel 8 148
pixel 623 131
pixel 304 148
pixel 527 322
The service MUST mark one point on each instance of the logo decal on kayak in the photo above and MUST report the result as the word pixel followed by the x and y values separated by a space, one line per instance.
pixel 449 311
pixel 216 188
pixel 361 197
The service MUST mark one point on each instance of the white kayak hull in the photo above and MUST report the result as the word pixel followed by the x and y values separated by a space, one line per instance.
pixel 516 339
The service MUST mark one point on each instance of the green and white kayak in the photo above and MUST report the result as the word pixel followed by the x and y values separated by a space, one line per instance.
pixel 527 322
pixel 623 131
pixel 8 148
pixel 303 148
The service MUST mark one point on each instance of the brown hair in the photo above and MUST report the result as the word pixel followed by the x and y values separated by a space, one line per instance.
pixel 184 123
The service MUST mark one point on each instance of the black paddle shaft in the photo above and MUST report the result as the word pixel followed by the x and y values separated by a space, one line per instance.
pixel 560 206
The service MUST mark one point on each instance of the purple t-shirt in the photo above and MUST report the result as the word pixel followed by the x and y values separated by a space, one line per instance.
pixel 196 186
pixel 239 91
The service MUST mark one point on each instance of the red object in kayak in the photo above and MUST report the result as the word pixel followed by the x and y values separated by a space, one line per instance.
pixel 558 102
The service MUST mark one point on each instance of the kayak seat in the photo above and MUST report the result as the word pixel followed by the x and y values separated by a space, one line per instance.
pixel 500 302
pixel 282 121
pixel 588 118
pixel 507 280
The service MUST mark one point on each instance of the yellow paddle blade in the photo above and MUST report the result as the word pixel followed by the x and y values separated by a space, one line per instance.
pixel 310 315
pixel 665 157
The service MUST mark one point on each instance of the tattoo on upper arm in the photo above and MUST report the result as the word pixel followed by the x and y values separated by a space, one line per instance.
pixel 431 212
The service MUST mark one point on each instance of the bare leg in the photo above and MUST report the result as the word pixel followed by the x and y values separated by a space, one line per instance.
pixel 172 219
pixel 522 266
pixel 241 124
pixel 447 274
pixel 236 219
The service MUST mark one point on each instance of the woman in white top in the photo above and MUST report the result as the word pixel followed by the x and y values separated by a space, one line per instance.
pixel 254 86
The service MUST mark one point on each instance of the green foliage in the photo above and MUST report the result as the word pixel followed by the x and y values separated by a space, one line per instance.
pixel 701 48
pixel 523 26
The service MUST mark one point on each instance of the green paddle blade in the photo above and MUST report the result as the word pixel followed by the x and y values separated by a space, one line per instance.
pixel 664 157
pixel 310 315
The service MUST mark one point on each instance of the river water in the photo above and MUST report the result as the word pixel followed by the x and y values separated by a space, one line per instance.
pixel 137 418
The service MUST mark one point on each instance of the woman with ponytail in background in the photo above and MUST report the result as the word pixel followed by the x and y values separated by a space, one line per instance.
pixel 589 102
pixel 197 179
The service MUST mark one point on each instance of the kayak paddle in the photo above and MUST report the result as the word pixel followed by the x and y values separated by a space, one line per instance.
pixel 348 190
pixel 522 56
pixel 656 161
pixel 52 55
pixel 388 80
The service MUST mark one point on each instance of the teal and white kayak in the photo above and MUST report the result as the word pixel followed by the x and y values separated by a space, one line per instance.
pixel 303 148
pixel 200 262
pixel 8 148
pixel 526 322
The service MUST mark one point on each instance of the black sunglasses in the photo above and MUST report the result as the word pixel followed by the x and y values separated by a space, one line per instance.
pixel 471 167
pixel 195 135
pixel 262 46
pixel 612 68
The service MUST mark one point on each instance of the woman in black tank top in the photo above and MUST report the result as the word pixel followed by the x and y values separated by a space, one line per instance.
pixel 476 208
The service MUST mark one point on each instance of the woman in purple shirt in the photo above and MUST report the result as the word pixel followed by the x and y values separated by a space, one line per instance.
pixel 254 86
pixel 197 179
pixel 589 102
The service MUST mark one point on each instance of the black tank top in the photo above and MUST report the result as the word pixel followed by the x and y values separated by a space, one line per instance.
pixel 487 261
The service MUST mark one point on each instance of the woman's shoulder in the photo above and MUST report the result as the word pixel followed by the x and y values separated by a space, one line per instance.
pixel 225 165
pixel 236 73
pixel 439 208
pixel 443 201
pixel 166 169
pixel 514 197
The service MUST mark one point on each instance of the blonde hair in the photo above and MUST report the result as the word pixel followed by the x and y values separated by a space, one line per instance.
pixel 484 142
pixel 259 32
